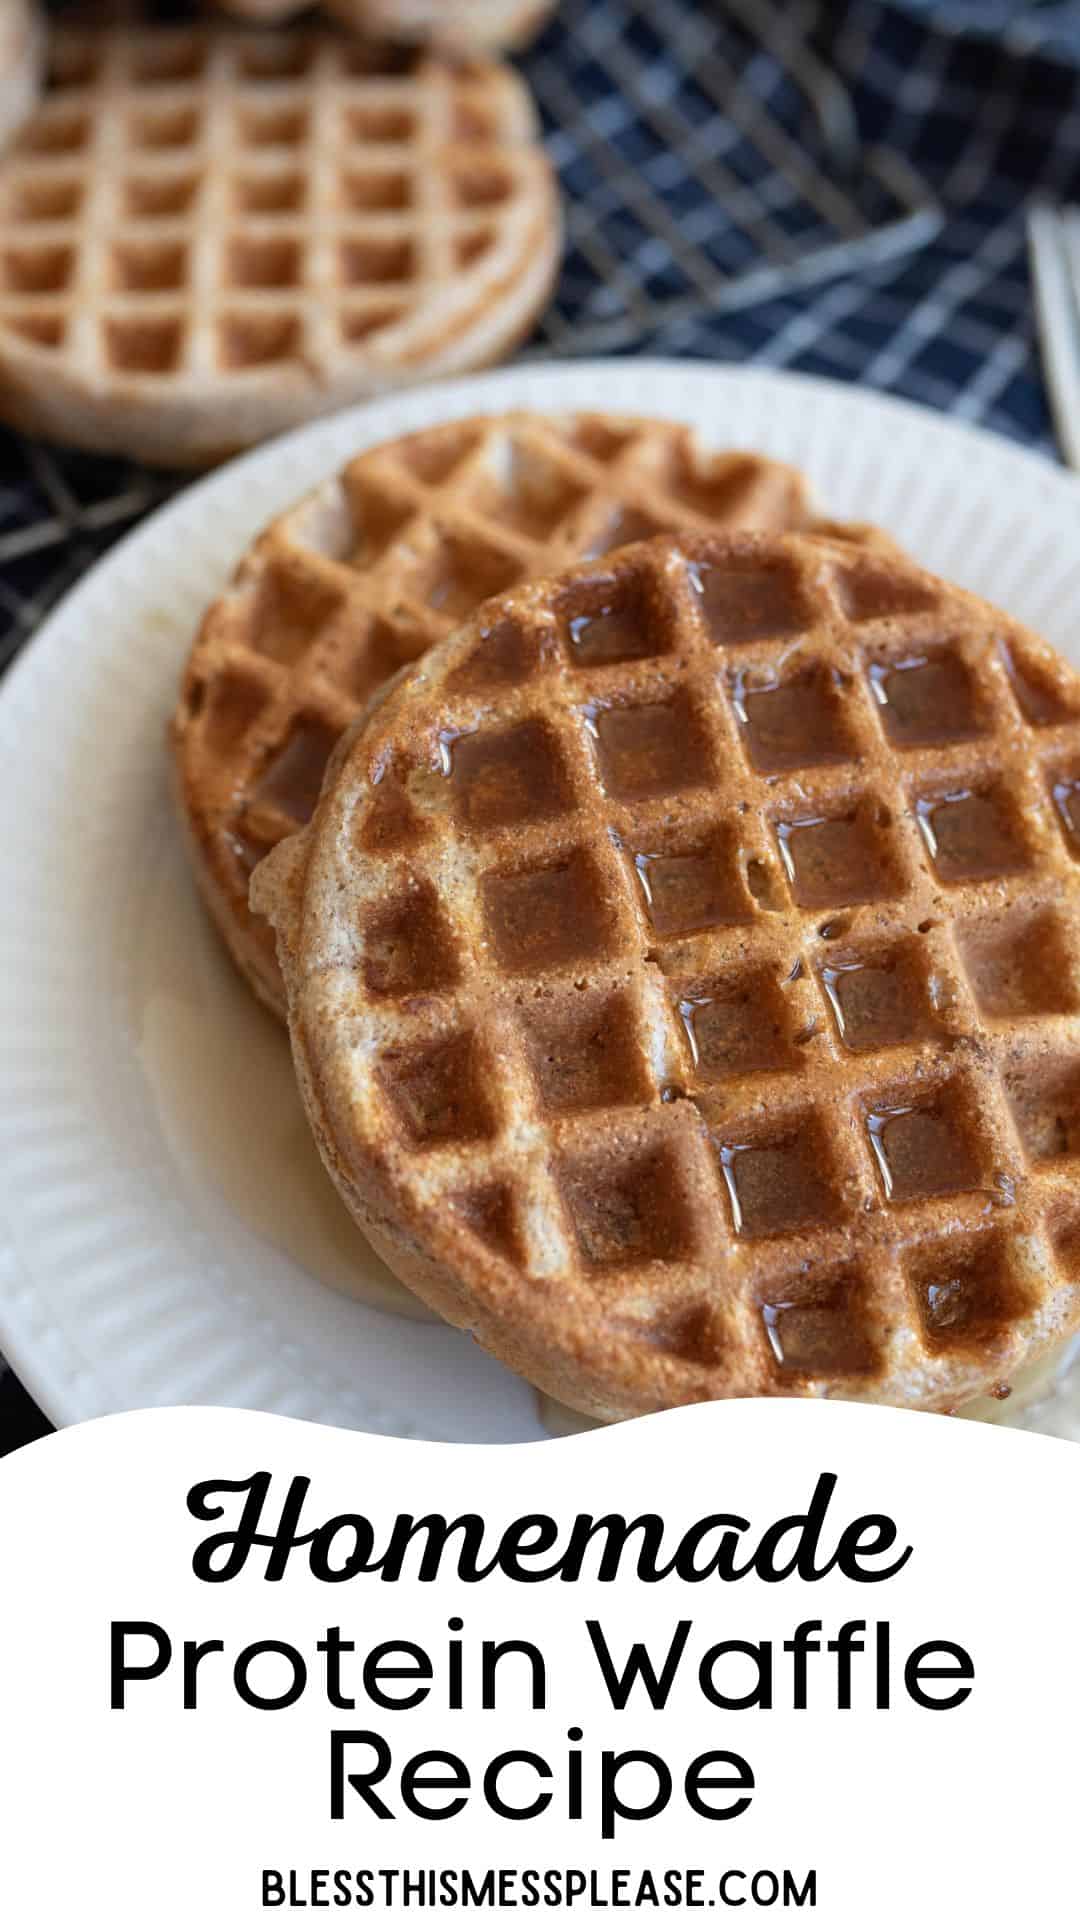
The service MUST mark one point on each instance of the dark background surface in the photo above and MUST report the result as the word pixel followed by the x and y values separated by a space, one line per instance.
pixel 690 141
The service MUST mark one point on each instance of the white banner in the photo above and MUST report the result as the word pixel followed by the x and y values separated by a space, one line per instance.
pixel 807 1656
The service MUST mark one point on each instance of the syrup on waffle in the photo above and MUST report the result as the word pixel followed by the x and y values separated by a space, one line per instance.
pixel 207 237
pixel 378 564
pixel 684 979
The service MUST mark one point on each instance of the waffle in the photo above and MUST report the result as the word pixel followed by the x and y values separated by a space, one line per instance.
pixel 21 43
pixel 683 972
pixel 381 562
pixel 209 237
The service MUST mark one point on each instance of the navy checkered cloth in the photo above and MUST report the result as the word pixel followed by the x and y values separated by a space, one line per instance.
pixel 1050 27
pixel 835 188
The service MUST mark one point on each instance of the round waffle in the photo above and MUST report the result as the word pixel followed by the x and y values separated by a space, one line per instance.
pixel 683 970
pixel 378 564
pixel 21 43
pixel 209 237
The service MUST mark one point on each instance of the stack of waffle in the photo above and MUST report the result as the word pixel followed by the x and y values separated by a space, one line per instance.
pixel 672 895
pixel 676 913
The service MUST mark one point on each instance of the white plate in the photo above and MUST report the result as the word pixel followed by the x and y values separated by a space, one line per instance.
pixel 165 1215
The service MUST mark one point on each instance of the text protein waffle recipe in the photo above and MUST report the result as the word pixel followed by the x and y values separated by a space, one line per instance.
pixel 370 1775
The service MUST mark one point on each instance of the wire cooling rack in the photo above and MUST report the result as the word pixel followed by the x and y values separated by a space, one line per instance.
pixel 707 158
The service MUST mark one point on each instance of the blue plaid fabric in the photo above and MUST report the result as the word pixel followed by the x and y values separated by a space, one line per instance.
pixel 834 188
pixel 1048 27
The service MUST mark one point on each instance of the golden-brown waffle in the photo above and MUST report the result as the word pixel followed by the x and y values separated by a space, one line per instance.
pixel 382 561
pixel 21 61
pixel 207 237
pixel 684 979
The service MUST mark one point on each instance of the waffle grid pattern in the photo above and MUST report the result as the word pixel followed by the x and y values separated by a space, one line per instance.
pixel 186 208
pixel 831 1056
pixel 378 565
